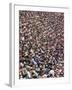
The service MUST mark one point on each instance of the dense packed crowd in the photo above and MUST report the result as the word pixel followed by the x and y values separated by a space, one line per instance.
pixel 41 44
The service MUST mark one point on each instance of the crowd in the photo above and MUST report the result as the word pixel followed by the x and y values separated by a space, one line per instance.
pixel 41 44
